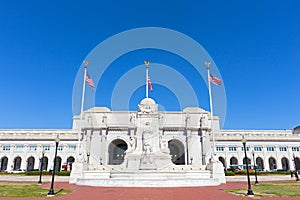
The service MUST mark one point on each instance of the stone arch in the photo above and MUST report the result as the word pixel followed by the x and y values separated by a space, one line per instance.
pixel 259 163
pixel 272 164
pixel 70 161
pixel 116 152
pixel 177 152
pixel 57 164
pixel 45 163
pixel 222 160
pixel 285 164
pixel 233 161
pixel 4 162
pixel 17 163
pixel 297 163
pixel 30 163
pixel 248 162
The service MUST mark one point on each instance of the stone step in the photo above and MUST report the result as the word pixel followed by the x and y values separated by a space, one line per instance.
pixel 154 182
pixel 147 178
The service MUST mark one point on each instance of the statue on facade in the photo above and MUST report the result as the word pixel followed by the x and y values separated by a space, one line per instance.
pixel 147 160
pixel 132 118
pixel 132 142
pixel 164 146
pixel 81 154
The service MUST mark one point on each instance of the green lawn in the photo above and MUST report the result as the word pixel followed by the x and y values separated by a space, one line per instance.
pixel 29 190
pixel 277 189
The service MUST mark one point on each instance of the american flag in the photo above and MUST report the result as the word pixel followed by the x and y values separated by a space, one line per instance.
pixel 89 81
pixel 149 83
pixel 215 80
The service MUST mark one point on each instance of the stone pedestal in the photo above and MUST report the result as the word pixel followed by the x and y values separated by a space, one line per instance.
pixel 147 162
pixel 132 161
pixel 78 169
pixel 217 171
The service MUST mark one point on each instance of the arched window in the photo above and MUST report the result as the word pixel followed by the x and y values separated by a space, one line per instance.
pixel 58 164
pixel 260 164
pixel 45 163
pixel 116 152
pixel 297 163
pixel 4 161
pixel 30 163
pixel 233 161
pixel 177 152
pixel 17 163
pixel 222 160
pixel 244 163
pixel 70 161
pixel 272 164
pixel 285 164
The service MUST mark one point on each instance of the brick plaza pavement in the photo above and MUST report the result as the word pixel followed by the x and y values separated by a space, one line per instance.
pixel 129 193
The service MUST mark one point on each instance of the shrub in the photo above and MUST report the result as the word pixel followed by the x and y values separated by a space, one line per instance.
pixel 63 173
pixel 229 173
pixel 262 173
pixel 242 172
pixel 37 173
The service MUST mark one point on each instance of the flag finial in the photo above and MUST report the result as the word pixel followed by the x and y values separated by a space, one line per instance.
pixel 147 63
pixel 207 64
pixel 85 63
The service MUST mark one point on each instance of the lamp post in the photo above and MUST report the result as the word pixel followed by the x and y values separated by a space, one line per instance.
pixel 250 192
pixel 51 191
pixel 41 167
pixel 256 181
pixel 296 171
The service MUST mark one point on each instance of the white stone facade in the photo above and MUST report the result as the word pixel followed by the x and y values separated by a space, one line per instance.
pixel 273 149
pixel 169 145
pixel 22 149
pixel 188 130
pixel 119 144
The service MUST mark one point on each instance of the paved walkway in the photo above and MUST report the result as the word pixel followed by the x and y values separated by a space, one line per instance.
pixel 124 193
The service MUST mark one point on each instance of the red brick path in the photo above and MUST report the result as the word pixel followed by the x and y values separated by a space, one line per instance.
pixel 123 193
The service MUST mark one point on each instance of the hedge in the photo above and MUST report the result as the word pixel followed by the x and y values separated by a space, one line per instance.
pixel 61 173
pixel 243 172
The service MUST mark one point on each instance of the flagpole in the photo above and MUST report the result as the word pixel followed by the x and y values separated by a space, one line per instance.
pixel 147 77
pixel 211 106
pixel 82 105
pixel 83 89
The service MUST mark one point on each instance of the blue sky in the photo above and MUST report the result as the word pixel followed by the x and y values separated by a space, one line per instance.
pixel 255 44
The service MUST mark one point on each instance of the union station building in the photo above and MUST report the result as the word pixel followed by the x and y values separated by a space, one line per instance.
pixel 111 139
